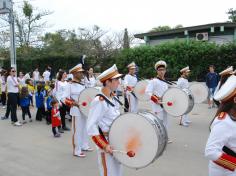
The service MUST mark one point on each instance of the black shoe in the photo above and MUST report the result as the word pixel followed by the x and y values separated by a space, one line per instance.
pixel 4 118
pixel 66 128
pixel 60 130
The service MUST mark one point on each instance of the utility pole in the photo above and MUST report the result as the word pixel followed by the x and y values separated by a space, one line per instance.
pixel 13 40
pixel 6 7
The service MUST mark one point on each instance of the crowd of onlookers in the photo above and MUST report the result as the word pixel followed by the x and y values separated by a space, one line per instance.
pixel 28 91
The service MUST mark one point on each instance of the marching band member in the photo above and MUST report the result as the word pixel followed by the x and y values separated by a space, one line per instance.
pixel 156 89
pixel 130 81
pixel 220 148
pixel 102 113
pixel 224 75
pixel 182 83
pixel 80 135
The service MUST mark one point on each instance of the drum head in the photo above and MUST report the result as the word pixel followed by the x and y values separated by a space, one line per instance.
pixel 175 101
pixel 139 90
pixel 86 96
pixel 199 92
pixel 133 132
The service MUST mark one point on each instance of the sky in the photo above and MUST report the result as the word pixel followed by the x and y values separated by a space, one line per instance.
pixel 136 15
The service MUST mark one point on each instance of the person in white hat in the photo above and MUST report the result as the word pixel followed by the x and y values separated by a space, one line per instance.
pixel 155 89
pixel 104 110
pixel 182 83
pixel 80 138
pixel 220 148
pixel 130 81
pixel 224 75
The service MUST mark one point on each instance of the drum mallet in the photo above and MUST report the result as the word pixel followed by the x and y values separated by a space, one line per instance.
pixel 129 153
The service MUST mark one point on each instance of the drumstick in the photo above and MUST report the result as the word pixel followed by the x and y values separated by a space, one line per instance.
pixel 169 103
pixel 129 153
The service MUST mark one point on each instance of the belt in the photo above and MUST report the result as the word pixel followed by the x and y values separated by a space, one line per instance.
pixel 105 133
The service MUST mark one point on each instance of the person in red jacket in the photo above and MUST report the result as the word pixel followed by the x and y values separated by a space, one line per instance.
pixel 56 119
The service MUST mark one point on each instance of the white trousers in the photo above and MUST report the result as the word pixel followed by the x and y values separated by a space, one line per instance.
pixel 163 116
pixel 184 119
pixel 108 165
pixel 133 103
pixel 215 170
pixel 80 139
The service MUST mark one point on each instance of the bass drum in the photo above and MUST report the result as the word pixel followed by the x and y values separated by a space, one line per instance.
pixel 177 102
pixel 142 133
pixel 85 98
pixel 199 92
pixel 139 90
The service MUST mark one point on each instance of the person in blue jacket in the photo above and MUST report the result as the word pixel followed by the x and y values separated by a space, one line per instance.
pixel 25 103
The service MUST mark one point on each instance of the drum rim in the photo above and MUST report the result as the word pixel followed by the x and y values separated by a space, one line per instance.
pixel 156 156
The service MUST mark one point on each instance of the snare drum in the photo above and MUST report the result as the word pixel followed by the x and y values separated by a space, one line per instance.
pixel 142 133
pixel 177 102
pixel 139 90
pixel 199 92
pixel 85 98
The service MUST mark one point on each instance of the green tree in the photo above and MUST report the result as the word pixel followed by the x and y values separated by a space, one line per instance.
pixel 231 15
pixel 29 25
pixel 160 28
pixel 126 40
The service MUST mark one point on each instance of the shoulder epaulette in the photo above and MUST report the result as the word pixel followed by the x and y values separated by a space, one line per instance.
pixel 222 115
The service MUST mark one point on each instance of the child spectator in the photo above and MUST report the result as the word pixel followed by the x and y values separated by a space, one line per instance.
pixel 31 89
pixel 25 103
pixel 55 118
pixel 39 96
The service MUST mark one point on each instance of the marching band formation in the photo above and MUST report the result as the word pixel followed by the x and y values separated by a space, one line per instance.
pixel 121 137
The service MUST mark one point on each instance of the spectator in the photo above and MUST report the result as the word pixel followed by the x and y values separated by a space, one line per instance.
pixel 13 92
pixel 39 97
pixel 212 79
pixel 25 103
pixel 3 88
pixel 46 75
pixel 36 76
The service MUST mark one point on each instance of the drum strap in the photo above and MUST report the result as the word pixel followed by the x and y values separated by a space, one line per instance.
pixel 101 133
pixel 106 99
pixel 117 100
pixel 74 81
pixel 168 82
pixel 229 151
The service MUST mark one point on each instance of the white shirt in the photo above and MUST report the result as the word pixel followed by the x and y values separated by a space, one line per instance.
pixel 158 88
pixel 75 90
pixel 27 76
pixel 21 81
pixel 46 75
pixel 91 82
pixel 223 133
pixel 62 90
pixel 36 75
pixel 101 114
pixel 12 84
pixel 182 83
pixel 130 80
